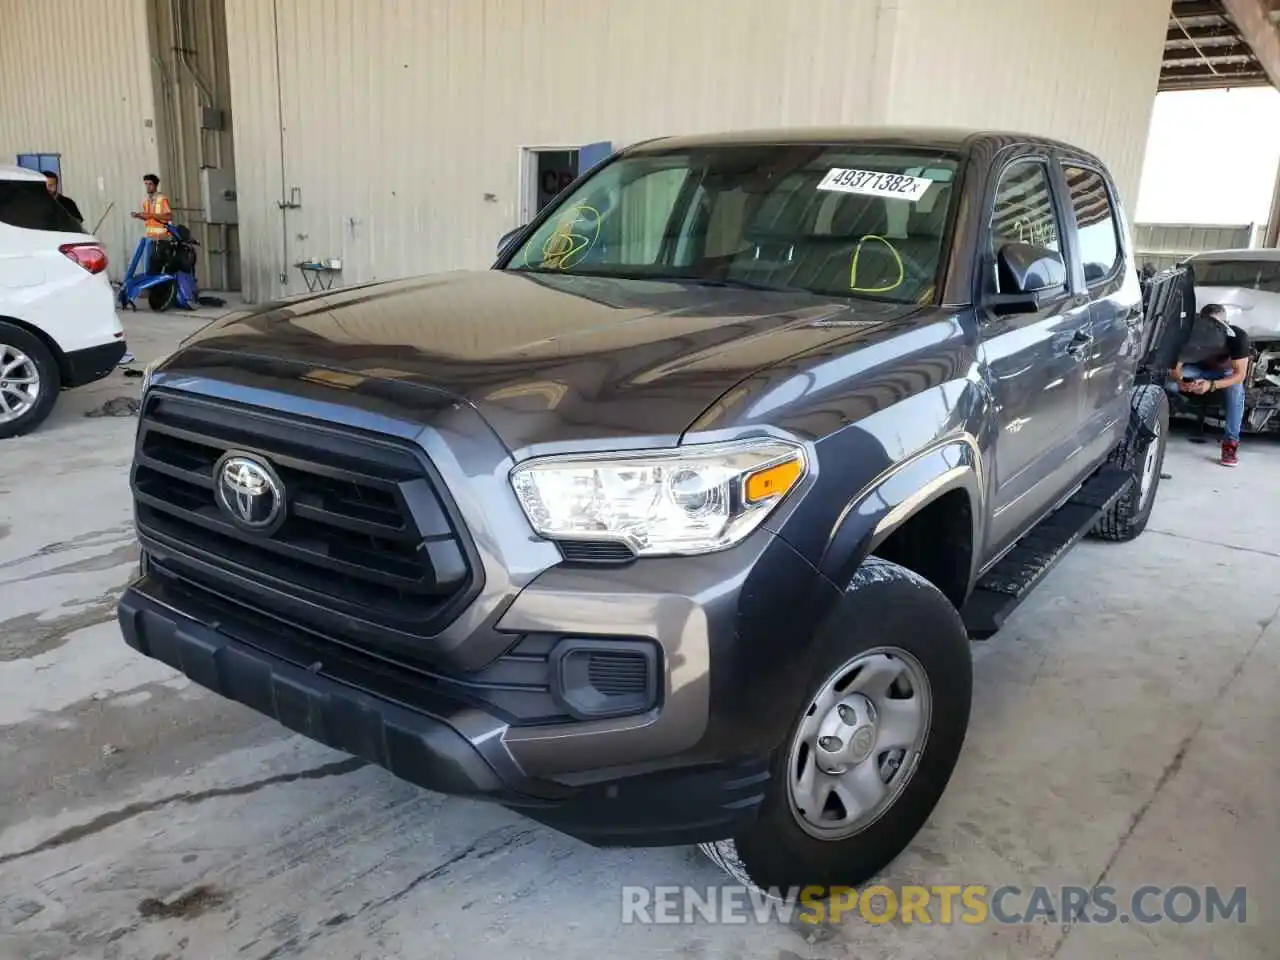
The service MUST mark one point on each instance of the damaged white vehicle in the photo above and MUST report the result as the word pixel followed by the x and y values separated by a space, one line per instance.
pixel 1247 283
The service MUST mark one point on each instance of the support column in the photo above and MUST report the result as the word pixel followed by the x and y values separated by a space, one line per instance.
pixel 1272 236
pixel 1253 19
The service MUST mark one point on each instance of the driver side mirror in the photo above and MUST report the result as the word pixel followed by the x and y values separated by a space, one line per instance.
pixel 1028 274
pixel 508 238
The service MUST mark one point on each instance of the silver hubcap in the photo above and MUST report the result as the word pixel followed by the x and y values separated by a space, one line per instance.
pixel 1149 465
pixel 859 743
pixel 19 383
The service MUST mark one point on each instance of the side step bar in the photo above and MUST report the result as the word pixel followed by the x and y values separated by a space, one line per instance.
pixel 1008 583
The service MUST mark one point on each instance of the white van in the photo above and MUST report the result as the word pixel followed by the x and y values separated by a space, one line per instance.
pixel 58 323
pixel 1247 283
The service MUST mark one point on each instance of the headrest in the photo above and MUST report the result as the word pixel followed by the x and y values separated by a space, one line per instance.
pixel 859 216
pixel 928 222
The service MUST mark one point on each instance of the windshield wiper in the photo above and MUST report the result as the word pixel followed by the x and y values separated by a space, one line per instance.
pixel 669 278
pixel 744 284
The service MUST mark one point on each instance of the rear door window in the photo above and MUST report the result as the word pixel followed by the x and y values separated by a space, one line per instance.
pixel 1095 222
pixel 28 205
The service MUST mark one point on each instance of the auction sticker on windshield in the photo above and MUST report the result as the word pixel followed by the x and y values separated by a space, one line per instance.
pixel 875 184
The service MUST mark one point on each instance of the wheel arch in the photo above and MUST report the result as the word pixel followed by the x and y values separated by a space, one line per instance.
pixel 937 491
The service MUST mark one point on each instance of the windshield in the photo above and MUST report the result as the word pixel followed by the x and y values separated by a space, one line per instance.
pixel 845 220
pixel 1261 275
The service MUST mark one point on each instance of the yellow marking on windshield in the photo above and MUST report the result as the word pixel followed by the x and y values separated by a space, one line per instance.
pixel 853 267
pixel 565 246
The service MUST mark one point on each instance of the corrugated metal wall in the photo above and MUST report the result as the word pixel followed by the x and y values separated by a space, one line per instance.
pixel 76 79
pixel 397 125
pixel 1084 71
pixel 401 116
pixel 1166 244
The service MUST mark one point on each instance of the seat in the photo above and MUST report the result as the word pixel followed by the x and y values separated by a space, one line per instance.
pixel 851 253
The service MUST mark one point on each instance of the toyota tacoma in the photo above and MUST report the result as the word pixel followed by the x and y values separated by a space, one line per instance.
pixel 673 526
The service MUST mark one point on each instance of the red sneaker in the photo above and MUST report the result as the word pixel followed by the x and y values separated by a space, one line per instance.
pixel 1229 448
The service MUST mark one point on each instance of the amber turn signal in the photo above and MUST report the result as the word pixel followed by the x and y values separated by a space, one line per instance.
pixel 773 481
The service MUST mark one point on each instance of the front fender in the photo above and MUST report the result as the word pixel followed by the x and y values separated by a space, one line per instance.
pixel 883 469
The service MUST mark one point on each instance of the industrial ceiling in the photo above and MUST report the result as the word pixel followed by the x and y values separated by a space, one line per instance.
pixel 1211 44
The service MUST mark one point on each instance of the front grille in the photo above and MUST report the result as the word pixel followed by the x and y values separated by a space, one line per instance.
pixel 369 533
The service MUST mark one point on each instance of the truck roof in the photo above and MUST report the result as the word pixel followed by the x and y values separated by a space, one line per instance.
pixel 941 137
pixel 10 172
pixel 1242 253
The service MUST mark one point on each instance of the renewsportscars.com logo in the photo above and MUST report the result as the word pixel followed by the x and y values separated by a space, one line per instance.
pixel 970 904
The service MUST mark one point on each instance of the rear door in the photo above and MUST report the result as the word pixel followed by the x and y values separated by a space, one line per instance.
pixel 1104 268
pixel 1032 360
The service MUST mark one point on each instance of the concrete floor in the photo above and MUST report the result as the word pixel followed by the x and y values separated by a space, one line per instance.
pixel 1124 733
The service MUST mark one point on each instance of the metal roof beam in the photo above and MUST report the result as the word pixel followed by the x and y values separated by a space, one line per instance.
pixel 1226 73
pixel 1182 9
pixel 1217 55
pixel 1253 19
pixel 1217 33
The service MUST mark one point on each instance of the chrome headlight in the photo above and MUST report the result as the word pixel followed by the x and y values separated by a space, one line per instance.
pixel 684 500
pixel 148 371
pixel 146 376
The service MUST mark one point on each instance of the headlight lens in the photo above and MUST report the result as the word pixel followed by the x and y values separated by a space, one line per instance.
pixel 686 500
pixel 149 370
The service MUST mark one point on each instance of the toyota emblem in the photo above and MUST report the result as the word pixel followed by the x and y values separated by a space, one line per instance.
pixel 249 492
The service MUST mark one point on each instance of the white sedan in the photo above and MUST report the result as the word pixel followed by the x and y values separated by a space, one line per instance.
pixel 58 324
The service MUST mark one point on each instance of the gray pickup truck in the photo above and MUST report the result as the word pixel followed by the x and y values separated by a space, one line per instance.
pixel 676 524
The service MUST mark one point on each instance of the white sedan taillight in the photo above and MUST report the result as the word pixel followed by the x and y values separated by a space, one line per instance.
pixel 89 255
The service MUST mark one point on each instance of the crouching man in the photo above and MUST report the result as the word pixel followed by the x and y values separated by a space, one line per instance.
pixel 1215 359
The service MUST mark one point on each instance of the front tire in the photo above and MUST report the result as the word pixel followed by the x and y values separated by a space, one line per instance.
pixel 29 381
pixel 1142 454
pixel 873 744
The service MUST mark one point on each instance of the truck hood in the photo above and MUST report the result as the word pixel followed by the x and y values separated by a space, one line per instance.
pixel 1253 311
pixel 545 359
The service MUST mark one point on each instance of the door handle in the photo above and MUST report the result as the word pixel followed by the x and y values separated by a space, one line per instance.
pixel 1078 344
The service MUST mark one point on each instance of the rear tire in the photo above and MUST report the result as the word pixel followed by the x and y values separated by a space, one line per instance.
pixel 29 381
pixel 1143 456
pixel 162 296
pixel 892 623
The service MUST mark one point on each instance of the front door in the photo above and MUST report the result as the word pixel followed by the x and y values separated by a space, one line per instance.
pixel 1033 365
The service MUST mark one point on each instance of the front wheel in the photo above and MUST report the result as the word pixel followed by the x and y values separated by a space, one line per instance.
pixel 873 745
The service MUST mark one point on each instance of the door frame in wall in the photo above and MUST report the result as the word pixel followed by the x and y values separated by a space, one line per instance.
pixel 528 172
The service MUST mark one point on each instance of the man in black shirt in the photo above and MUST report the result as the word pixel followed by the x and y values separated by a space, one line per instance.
pixel 1215 359
pixel 69 205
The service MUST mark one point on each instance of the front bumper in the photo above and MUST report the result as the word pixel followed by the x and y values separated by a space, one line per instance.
pixel 431 741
